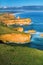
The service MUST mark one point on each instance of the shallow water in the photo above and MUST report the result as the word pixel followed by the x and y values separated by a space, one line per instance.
pixel 36 24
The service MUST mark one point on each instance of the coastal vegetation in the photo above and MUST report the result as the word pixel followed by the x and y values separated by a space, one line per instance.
pixel 20 55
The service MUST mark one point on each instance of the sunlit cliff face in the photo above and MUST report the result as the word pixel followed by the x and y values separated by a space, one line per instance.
pixel 19 29
pixel 15 38
pixel 10 19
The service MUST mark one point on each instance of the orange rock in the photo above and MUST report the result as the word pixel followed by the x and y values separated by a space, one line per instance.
pixel 31 31
pixel 41 35
pixel 16 38
pixel 20 29
pixel 10 19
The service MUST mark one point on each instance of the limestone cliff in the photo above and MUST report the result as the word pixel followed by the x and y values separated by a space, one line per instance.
pixel 16 38
pixel 20 29
pixel 10 19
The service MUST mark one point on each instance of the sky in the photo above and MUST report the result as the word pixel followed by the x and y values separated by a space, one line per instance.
pixel 19 3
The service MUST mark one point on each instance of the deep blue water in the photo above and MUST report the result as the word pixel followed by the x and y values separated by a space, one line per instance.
pixel 36 24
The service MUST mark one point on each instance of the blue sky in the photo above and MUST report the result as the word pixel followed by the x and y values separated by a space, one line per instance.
pixel 20 2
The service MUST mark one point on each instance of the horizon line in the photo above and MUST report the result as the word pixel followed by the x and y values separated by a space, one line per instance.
pixel 19 6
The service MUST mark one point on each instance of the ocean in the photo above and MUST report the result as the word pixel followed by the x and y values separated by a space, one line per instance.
pixel 36 24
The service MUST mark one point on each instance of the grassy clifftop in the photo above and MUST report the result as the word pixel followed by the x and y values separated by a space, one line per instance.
pixel 20 55
pixel 5 29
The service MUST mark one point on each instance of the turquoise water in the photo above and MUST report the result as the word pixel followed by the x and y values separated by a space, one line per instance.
pixel 36 24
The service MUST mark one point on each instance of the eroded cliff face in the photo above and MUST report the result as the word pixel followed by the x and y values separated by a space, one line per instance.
pixel 16 38
pixel 19 29
pixel 10 19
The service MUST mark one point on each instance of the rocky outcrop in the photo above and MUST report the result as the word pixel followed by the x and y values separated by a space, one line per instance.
pixel 10 19
pixel 16 38
pixel 32 31
pixel 20 29
pixel 41 35
pixel 15 35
